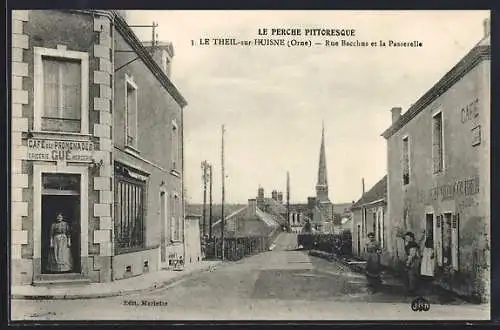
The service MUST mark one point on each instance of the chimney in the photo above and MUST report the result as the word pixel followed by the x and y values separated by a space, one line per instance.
pixel 252 207
pixel 280 197
pixel 363 185
pixel 162 52
pixel 486 27
pixel 396 113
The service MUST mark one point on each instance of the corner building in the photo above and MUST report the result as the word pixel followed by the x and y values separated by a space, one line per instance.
pixel 97 135
pixel 439 174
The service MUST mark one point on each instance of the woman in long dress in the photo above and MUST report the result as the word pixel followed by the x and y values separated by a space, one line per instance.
pixel 60 259
pixel 428 263
pixel 412 250
pixel 373 263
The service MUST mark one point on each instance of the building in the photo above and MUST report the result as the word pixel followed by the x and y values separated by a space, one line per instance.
pixel 439 173
pixel 97 135
pixel 322 212
pixel 369 214
pixel 250 220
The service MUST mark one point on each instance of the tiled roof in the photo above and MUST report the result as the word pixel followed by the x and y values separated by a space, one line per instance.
pixel 377 192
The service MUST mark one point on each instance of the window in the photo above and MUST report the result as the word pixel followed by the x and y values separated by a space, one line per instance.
pixel 130 195
pixel 437 143
pixel 61 90
pixel 429 228
pixel 406 161
pixel 131 112
pixel 175 146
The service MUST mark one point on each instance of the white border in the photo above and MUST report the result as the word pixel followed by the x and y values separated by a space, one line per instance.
pixel 38 91
pixel 38 170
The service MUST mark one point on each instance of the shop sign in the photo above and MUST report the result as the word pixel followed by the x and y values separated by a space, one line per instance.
pixel 60 150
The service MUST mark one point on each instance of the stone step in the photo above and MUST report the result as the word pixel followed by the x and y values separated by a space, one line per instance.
pixel 60 279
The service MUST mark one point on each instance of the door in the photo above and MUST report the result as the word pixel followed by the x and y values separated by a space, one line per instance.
pixel 69 207
pixel 164 226
pixel 429 228
pixel 359 240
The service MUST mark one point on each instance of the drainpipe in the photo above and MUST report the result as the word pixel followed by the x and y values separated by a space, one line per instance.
pixel 112 31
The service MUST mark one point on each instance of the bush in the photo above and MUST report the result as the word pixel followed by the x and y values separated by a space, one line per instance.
pixel 339 244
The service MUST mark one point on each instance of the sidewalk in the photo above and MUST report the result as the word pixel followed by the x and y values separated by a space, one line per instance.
pixel 146 282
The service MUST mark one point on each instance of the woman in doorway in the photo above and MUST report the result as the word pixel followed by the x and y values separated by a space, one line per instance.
pixel 373 263
pixel 427 267
pixel 60 259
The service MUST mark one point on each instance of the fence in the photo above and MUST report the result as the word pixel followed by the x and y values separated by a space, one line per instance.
pixel 340 244
pixel 236 248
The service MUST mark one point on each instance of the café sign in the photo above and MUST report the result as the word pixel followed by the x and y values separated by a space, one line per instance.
pixel 60 150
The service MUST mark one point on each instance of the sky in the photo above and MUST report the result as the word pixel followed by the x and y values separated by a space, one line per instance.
pixel 273 100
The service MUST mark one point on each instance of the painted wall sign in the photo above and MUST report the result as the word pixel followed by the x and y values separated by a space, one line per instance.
pixel 465 187
pixel 60 150
pixel 470 111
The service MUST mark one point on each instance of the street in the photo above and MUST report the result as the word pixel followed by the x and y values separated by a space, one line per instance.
pixel 282 284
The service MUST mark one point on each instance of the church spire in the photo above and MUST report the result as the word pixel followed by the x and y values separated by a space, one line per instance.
pixel 322 185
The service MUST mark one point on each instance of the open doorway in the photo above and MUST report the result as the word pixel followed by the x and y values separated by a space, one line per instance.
pixel 64 200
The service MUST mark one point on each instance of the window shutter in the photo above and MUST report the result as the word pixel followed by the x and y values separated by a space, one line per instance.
pixel 438 240
pixel 454 241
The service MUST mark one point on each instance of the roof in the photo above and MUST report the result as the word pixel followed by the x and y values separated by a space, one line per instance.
pixel 376 193
pixel 267 218
pixel 482 51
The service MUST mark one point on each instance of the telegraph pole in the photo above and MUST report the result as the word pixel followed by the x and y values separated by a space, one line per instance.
pixel 204 177
pixel 210 208
pixel 223 182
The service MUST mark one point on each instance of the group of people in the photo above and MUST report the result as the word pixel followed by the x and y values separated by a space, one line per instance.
pixel 420 262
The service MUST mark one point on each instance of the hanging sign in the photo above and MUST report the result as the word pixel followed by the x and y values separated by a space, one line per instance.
pixel 60 150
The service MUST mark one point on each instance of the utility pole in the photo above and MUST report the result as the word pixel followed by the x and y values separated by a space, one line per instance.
pixel 223 182
pixel 288 200
pixel 210 208
pixel 204 177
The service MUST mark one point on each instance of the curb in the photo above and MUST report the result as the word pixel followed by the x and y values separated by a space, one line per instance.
pixel 155 286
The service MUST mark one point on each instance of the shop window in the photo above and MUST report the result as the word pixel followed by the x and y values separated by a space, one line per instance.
pixel 130 203
pixel 437 143
pixel 131 112
pixel 60 90
pixel 406 161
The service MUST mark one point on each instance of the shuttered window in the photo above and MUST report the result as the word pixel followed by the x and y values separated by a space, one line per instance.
pixel 437 142
pixel 62 95
pixel 455 225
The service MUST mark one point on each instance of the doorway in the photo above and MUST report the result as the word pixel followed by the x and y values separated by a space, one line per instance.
pixel 61 195
pixel 163 220
pixel 429 228
pixel 359 240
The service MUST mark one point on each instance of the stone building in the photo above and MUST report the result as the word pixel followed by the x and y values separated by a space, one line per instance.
pixel 439 173
pixel 97 135
pixel 368 216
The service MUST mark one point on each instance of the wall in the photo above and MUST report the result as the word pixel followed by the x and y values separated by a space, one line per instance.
pixel 156 111
pixel 193 241
pixel 462 161
pixel 76 32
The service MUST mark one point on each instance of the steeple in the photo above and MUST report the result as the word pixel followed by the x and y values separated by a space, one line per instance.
pixel 322 185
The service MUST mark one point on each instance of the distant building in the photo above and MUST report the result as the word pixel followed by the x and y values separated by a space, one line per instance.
pixel 368 216
pixel 439 173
